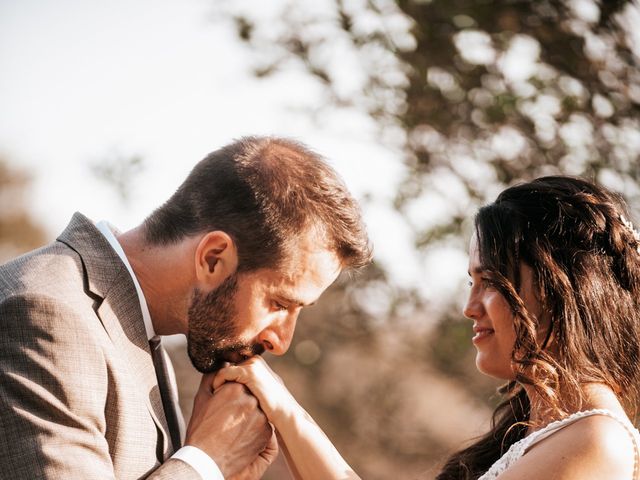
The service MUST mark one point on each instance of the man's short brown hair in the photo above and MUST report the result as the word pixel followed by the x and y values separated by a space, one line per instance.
pixel 264 192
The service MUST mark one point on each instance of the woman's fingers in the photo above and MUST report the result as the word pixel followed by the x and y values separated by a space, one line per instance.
pixel 242 373
pixel 228 374
pixel 263 383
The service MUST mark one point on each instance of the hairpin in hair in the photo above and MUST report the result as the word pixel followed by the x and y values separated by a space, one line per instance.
pixel 629 226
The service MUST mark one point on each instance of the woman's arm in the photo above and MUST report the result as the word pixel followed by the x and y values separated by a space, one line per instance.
pixel 287 456
pixel 309 453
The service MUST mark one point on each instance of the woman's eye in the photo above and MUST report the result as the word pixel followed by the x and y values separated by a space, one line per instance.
pixel 482 282
pixel 486 283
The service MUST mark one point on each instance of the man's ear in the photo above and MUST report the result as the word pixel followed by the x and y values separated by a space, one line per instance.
pixel 216 258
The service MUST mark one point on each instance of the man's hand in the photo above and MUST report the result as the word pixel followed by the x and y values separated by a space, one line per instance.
pixel 255 470
pixel 229 427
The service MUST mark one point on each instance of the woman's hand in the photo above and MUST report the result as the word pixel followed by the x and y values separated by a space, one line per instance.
pixel 309 453
pixel 275 400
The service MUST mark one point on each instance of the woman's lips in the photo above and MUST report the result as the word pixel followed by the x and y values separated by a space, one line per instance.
pixel 481 333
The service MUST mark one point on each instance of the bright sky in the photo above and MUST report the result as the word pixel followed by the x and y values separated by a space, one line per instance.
pixel 82 79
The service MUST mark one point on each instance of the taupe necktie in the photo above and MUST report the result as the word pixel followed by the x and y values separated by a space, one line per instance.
pixel 166 392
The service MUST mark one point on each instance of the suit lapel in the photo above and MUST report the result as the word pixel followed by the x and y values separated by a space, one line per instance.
pixel 118 308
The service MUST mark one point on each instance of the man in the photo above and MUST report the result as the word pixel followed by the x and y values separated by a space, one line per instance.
pixel 258 230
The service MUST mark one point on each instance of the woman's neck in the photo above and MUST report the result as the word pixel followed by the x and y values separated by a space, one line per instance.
pixel 594 396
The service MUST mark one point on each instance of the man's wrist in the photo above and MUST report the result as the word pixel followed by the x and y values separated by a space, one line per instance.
pixel 200 462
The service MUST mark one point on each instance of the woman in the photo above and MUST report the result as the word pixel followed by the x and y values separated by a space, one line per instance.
pixel 555 305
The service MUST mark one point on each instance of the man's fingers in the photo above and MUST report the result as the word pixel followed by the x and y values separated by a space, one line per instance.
pixel 271 450
pixel 218 381
pixel 205 382
pixel 208 380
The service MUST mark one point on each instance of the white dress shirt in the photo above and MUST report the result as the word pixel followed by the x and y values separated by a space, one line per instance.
pixel 200 461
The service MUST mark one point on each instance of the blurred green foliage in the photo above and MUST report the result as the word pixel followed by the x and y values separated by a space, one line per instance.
pixel 119 171
pixel 474 95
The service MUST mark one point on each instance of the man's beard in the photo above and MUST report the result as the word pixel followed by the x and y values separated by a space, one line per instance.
pixel 212 337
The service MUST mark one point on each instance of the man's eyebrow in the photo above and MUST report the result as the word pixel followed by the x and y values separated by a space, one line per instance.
pixel 294 301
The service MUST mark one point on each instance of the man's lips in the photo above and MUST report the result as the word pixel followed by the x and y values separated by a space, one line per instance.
pixel 238 357
pixel 481 333
pixel 242 354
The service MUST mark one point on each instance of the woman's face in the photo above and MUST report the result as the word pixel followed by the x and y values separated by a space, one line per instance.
pixel 494 333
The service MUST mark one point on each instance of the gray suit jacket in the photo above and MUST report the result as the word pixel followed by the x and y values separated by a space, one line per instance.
pixel 78 391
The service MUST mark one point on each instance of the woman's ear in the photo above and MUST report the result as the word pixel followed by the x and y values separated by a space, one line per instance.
pixel 216 258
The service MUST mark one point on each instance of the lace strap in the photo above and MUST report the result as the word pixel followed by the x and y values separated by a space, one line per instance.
pixel 635 439
pixel 559 424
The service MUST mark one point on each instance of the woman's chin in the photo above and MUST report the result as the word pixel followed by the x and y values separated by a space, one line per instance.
pixel 494 369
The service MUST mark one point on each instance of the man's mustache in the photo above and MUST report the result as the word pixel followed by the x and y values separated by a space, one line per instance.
pixel 241 352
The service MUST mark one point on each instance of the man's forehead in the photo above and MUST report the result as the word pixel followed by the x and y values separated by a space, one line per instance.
pixel 285 288
pixel 303 280
pixel 321 268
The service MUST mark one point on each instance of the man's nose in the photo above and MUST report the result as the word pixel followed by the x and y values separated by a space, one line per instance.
pixel 277 337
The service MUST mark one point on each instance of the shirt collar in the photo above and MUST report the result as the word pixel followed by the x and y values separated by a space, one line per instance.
pixel 108 232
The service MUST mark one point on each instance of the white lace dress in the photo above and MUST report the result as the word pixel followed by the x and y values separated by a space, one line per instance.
pixel 519 448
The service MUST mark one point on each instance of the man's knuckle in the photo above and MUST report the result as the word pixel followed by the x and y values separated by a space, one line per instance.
pixel 251 401
pixel 234 388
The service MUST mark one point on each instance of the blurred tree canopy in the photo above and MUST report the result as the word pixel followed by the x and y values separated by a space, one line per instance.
pixel 474 95
pixel 18 231
pixel 118 171
pixel 477 94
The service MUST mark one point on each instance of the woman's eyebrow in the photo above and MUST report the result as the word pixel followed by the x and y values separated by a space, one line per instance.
pixel 477 270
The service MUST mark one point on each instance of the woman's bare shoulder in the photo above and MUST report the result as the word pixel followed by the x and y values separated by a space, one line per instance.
pixel 593 447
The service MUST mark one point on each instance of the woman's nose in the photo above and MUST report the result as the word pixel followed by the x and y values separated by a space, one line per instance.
pixel 473 307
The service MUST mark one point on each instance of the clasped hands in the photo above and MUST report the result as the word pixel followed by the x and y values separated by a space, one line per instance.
pixel 233 413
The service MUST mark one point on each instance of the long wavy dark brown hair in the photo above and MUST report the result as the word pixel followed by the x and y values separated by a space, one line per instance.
pixel 586 268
